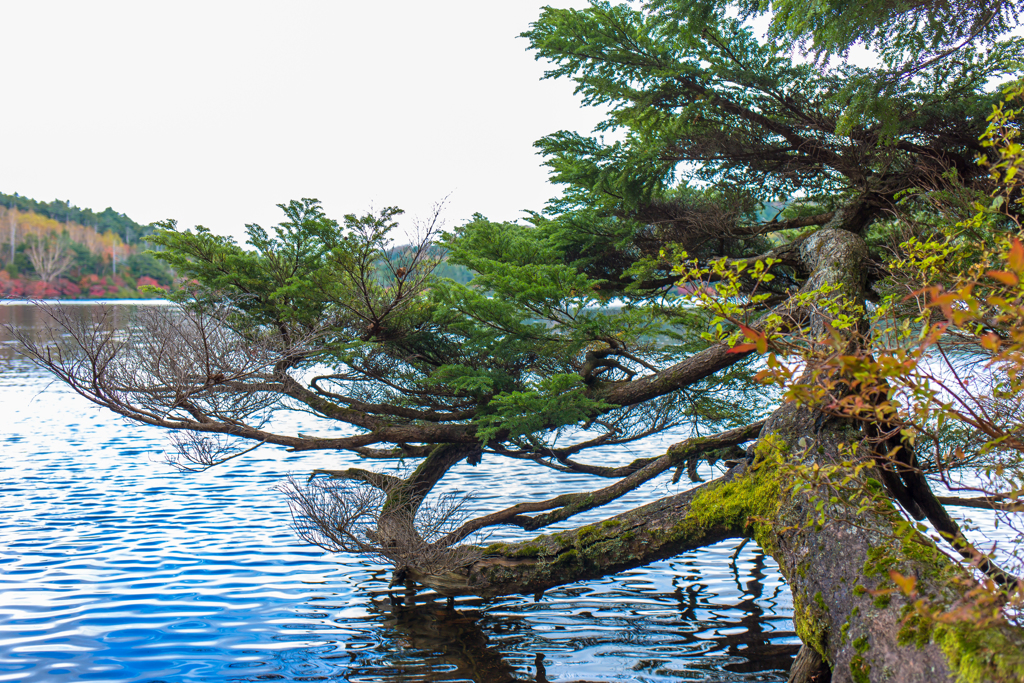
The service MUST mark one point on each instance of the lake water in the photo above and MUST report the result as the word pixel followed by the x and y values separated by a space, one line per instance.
pixel 116 567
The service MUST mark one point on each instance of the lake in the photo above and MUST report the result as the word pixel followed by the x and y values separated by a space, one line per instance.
pixel 114 566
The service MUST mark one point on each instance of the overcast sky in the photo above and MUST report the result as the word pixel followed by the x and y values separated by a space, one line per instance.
pixel 213 112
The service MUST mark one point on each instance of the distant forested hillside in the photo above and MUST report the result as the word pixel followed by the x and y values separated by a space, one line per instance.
pixel 62 210
pixel 444 268
pixel 460 274
pixel 55 250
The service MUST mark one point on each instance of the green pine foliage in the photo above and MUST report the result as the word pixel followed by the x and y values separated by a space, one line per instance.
pixel 905 35
pixel 720 145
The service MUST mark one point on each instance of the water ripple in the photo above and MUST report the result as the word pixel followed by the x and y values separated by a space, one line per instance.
pixel 114 567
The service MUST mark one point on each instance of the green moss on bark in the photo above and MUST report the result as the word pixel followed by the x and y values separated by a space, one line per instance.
pixel 749 502
pixel 810 627
pixel 980 655
pixel 860 670
pixel 976 653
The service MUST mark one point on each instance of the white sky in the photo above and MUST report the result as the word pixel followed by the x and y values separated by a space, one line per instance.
pixel 213 112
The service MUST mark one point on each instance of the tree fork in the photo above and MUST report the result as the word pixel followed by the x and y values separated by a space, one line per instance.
pixel 837 559
pixel 406 496
pixel 846 606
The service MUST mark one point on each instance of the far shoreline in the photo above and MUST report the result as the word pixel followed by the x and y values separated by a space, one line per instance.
pixel 82 302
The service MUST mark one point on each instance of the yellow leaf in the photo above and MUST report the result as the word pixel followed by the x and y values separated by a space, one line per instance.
pixel 906 584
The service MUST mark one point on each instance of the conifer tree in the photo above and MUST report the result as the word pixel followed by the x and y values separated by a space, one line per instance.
pixel 773 191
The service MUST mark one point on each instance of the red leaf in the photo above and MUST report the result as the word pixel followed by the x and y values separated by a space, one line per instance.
pixel 742 348
pixel 759 339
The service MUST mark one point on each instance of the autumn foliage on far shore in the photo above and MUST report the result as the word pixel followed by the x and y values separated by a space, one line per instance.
pixel 89 287
pixel 42 257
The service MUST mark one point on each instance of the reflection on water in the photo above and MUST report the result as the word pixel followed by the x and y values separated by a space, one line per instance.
pixel 115 567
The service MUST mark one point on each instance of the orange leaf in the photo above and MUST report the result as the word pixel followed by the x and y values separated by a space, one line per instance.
pixel 990 342
pixel 1015 259
pixel 943 300
pixel 1004 277
pixel 906 584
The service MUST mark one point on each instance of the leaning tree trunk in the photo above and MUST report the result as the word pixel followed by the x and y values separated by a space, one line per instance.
pixel 836 557
pixel 836 563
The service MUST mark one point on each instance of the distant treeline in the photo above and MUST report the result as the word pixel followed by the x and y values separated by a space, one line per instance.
pixel 58 251
pixel 74 252
pixel 63 211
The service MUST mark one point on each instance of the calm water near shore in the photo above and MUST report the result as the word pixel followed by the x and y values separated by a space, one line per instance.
pixel 116 567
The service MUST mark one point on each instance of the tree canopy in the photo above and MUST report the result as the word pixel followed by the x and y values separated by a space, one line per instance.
pixel 770 251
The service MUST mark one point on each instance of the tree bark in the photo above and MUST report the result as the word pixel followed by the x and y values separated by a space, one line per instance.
pixel 846 606
pixel 809 667
pixel 837 562
pixel 835 556
pixel 656 531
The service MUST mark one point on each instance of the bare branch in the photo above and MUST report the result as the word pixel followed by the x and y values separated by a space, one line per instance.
pixel 199 452
pixel 379 480
pixel 1004 503
pixel 355 517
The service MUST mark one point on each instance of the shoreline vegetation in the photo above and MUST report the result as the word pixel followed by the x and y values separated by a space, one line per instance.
pixel 57 250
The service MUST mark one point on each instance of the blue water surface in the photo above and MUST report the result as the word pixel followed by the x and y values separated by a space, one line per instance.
pixel 116 567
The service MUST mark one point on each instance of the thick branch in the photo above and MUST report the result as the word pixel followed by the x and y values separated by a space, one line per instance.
pixel 566 505
pixel 653 532
pixel 984 503
pixel 917 486
pixel 833 255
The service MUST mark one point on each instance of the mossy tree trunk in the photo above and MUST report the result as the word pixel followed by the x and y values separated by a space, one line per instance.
pixel 835 556
pixel 837 562
pixel 846 606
